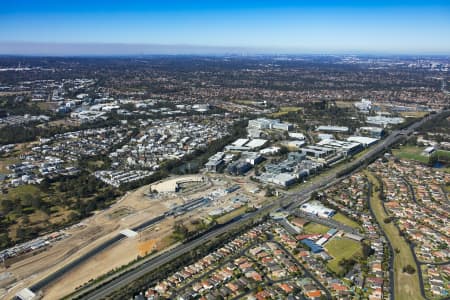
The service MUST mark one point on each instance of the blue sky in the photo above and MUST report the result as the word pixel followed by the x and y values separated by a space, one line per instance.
pixel 286 26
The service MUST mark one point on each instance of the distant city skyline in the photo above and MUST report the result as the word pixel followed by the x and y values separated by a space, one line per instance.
pixel 100 27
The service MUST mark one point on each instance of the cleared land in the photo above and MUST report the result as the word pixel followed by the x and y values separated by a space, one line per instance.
pixel 94 230
pixel 132 209
pixel 341 248
pixel 407 286
pixel 413 114
pixel 345 220
pixel 411 153
pixel 4 162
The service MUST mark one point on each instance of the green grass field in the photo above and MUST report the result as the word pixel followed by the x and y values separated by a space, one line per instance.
pixel 245 102
pixel 442 155
pixel 284 110
pixel 406 286
pixel 227 217
pixel 340 248
pixel 20 191
pixel 314 228
pixel 411 153
pixel 346 221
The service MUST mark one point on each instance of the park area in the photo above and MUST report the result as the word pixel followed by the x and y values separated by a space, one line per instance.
pixel 411 153
pixel 315 228
pixel 407 286
pixel 339 249
pixel 339 217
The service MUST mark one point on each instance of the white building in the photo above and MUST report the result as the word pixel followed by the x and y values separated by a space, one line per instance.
pixel 332 128
pixel 318 209
pixel 365 141
pixel 364 105
pixel 384 121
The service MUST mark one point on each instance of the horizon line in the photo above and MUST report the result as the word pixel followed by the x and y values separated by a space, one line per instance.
pixel 98 49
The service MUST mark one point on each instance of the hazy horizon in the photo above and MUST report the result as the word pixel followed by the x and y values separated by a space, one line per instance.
pixel 124 49
pixel 100 27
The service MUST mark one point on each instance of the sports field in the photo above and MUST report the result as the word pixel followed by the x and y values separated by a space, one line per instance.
pixel 314 228
pixel 411 153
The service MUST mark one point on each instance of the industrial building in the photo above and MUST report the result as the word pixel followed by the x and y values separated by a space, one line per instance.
pixel 384 121
pixel 344 147
pixel 215 162
pixel 375 132
pixel 364 105
pixel 317 151
pixel 246 145
pixel 253 158
pixel 270 150
pixel 326 128
pixel 296 135
pixel 325 136
pixel 289 171
pixel 365 141
pixel 239 167
pixel 255 127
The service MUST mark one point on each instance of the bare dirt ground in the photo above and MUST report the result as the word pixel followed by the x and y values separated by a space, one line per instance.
pixel 133 209
pixel 95 230
pixel 115 257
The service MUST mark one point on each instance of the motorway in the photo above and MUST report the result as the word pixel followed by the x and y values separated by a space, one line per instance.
pixel 289 200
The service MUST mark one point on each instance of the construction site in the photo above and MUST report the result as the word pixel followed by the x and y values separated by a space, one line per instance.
pixel 141 223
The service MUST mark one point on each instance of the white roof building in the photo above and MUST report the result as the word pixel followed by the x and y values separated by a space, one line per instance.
pixel 240 142
pixel 382 120
pixel 256 143
pixel 317 208
pixel 365 141
pixel 332 128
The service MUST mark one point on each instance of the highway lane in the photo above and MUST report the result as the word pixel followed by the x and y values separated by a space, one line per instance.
pixel 295 199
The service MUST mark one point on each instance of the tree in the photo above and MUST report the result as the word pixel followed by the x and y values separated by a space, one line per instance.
pixel 409 269
pixel 4 240
pixel 180 229
pixel 367 250
pixel 36 202
pixel 20 233
pixel 7 206
pixel 270 191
